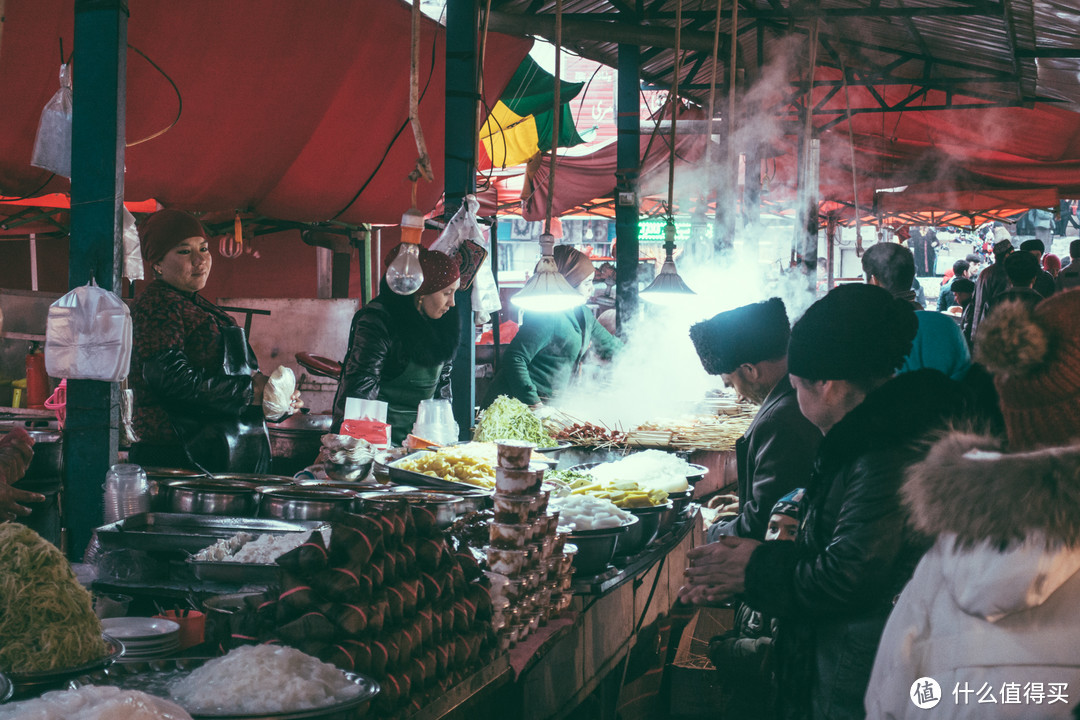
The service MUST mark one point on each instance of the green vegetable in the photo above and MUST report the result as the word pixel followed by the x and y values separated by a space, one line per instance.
pixel 47 618
pixel 573 478
pixel 510 419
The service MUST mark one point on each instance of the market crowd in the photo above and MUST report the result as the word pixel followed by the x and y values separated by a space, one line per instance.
pixel 933 563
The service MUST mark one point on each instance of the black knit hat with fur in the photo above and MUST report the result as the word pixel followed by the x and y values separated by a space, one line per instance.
pixel 856 332
pixel 1034 353
pixel 747 334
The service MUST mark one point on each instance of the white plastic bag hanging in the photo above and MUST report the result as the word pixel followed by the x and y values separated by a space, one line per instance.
pixel 133 262
pixel 464 226
pixel 52 147
pixel 88 336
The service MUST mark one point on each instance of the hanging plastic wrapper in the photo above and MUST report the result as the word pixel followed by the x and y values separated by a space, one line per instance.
pixel 465 236
pixel 52 148
pixel 88 336
pixel 133 262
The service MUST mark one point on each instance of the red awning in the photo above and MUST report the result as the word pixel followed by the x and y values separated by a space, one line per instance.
pixel 295 109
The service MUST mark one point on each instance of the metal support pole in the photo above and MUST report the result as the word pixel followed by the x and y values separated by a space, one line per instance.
pixel 496 317
pixel 628 151
pixel 91 433
pixel 462 22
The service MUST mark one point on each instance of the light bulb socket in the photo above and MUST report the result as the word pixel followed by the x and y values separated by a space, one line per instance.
pixel 412 226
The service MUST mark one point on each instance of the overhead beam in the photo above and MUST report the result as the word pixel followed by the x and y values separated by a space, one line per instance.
pixel 579 29
pixel 1048 52
pixel 810 10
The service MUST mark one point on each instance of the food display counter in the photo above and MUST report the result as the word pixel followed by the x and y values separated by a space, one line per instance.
pixel 409 568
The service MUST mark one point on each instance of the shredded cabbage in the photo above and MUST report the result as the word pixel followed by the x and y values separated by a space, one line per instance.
pixel 510 419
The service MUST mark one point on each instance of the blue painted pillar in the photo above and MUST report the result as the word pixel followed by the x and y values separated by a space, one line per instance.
pixel 628 153
pixel 462 100
pixel 97 196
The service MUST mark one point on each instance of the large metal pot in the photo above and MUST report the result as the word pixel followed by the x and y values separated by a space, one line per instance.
pixel 295 441
pixel 213 497
pixel 48 464
pixel 158 478
pixel 438 510
pixel 304 503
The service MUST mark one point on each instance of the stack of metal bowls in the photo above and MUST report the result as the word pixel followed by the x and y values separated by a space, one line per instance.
pixel 638 537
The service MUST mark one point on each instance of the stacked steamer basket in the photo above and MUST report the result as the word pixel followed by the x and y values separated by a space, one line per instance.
pixel 530 580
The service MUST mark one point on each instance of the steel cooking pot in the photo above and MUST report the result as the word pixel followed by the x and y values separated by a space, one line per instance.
pixel 47 466
pixel 213 497
pixel 295 441
pixel 304 502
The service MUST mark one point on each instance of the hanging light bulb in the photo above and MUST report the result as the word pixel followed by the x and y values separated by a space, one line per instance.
pixel 405 276
pixel 668 288
pixel 547 290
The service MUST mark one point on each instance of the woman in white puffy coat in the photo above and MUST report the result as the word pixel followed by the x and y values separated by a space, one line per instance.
pixel 992 613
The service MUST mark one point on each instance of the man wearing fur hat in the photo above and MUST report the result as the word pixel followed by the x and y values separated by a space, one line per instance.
pixel 993 604
pixel 747 348
pixel 832 589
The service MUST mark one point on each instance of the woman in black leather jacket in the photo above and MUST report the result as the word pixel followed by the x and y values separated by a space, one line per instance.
pixel 401 347
pixel 198 391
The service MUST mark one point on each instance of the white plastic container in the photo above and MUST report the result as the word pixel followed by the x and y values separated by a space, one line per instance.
pixel 88 336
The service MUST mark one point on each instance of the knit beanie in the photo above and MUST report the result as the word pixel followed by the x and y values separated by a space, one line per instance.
pixel 747 334
pixel 856 332
pixel 1051 263
pixel 1034 353
pixel 440 269
pixel 166 229
pixel 789 504
pixel 573 264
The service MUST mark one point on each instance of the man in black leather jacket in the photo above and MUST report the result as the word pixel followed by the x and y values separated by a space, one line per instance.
pixel 832 590
pixel 747 347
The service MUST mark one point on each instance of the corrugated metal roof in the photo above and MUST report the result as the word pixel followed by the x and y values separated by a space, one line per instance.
pixel 974 50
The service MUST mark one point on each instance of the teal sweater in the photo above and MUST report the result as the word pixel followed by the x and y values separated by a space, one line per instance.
pixel 543 355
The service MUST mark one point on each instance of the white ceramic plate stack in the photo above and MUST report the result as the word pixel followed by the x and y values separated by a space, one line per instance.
pixel 144 638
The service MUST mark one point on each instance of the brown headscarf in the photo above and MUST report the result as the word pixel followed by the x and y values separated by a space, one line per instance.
pixel 440 269
pixel 573 264
pixel 166 229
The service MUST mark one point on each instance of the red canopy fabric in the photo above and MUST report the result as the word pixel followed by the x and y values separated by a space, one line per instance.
pixel 581 179
pixel 289 108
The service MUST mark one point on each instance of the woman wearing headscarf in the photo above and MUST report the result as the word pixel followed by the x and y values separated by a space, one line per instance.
pixel 550 348
pixel 401 347
pixel 197 386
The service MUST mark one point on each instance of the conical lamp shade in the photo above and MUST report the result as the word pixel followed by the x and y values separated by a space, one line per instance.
pixel 667 288
pixel 547 290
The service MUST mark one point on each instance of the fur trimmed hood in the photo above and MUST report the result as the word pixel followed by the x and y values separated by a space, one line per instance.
pixel 966 486
pixel 1007 525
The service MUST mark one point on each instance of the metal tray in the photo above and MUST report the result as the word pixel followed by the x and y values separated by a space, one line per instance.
pixel 28 684
pixel 411 477
pixel 235 572
pixel 175 532
pixel 155 677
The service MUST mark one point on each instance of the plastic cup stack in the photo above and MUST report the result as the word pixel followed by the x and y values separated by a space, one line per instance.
pixel 127 492
pixel 435 421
